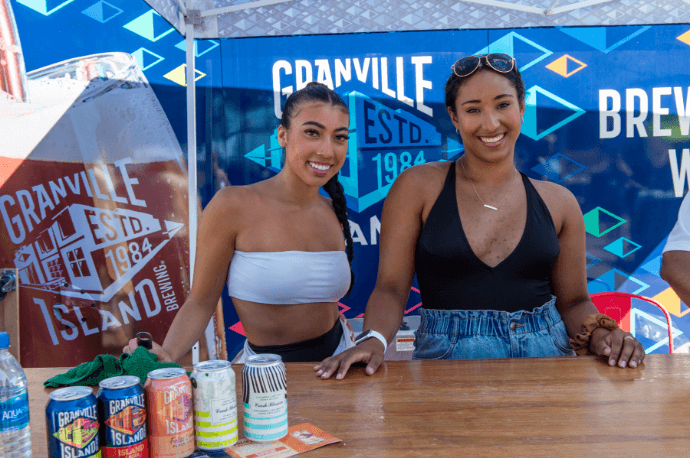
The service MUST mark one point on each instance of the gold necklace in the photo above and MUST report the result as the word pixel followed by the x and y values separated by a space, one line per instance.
pixel 475 189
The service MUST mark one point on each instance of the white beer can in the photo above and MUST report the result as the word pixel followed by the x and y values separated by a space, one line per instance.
pixel 215 405
pixel 264 389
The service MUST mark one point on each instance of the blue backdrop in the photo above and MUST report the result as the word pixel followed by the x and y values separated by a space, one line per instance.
pixel 607 115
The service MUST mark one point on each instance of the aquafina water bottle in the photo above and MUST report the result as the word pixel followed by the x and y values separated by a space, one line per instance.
pixel 15 433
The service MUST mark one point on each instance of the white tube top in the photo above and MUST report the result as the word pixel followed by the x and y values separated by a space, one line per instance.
pixel 289 277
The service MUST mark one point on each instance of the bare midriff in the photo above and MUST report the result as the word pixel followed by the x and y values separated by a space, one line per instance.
pixel 271 324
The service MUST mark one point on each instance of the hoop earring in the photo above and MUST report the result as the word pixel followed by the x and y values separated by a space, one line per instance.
pixel 522 120
pixel 457 131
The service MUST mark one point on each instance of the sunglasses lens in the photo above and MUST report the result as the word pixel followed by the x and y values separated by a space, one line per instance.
pixel 500 62
pixel 466 65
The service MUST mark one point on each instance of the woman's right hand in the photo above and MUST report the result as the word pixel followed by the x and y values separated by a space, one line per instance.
pixel 163 356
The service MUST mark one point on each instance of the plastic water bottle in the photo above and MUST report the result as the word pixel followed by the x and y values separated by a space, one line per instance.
pixel 15 433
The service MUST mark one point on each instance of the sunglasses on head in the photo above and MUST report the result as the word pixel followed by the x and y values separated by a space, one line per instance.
pixel 498 61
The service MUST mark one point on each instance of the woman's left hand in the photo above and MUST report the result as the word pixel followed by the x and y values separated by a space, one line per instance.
pixel 620 347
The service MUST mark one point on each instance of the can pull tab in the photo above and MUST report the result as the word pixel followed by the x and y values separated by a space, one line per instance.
pixel 144 339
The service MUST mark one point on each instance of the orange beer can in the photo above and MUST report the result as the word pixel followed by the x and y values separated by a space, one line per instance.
pixel 169 403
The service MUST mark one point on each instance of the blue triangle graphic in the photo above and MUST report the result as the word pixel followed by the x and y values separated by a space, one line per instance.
pixel 653 266
pixel 108 11
pixel 593 36
pixel 619 280
pixel 50 4
pixel 571 65
pixel 606 222
pixel 592 260
pixel 616 247
pixel 615 35
pixel 95 11
pixel 258 155
pixel 150 25
pixel 567 167
pixel 146 58
pixel 525 53
pixel 550 168
pixel 549 112
pixel 628 246
pixel 160 26
pixel 604 39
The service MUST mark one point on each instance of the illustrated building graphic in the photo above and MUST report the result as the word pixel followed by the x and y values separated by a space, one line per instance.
pixel 128 421
pixel 83 240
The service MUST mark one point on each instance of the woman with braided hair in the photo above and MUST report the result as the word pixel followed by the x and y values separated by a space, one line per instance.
pixel 281 244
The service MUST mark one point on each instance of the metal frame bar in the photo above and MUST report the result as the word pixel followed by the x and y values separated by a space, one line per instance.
pixel 245 6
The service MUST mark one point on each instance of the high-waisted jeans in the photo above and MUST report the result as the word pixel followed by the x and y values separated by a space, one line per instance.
pixel 468 334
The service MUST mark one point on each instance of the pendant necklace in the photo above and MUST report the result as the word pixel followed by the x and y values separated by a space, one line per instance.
pixel 477 194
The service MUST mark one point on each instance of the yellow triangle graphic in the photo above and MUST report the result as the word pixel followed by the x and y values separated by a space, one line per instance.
pixel 179 75
pixel 685 38
pixel 671 302
pixel 559 66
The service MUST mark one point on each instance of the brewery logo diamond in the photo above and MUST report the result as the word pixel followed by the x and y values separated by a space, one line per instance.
pixel 622 247
pixel 545 112
pixel 150 25
pixel 599 221
pixel 102 11
pixel 615 280
pixel 566 66
pixel 201 47
pixel 179 75
pixel 558 168
pixel 146 59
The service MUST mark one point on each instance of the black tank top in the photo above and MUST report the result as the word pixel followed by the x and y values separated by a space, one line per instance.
pixel 452 277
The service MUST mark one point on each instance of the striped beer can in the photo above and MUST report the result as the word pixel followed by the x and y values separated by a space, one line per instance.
pixel 215 405
pixel 264 396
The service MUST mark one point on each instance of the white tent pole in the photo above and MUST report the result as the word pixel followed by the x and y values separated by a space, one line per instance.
pixel 191 154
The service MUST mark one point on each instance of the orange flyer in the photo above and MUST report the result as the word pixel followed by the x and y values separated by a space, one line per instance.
pixel 300 438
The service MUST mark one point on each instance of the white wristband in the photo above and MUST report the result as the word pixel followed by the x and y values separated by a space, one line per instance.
pixel 376 335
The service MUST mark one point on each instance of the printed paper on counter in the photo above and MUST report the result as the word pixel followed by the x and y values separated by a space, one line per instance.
pixel 300 438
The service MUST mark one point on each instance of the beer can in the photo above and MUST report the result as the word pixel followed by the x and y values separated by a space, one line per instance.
pixel 169 405
pixel 215 405
pixel 264 396
pixel 72 423
pixel 122 413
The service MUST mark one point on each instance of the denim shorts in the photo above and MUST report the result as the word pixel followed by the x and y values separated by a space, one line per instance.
pixel 469 334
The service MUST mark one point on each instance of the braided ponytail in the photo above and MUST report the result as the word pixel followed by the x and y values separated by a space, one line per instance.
pixel 337 195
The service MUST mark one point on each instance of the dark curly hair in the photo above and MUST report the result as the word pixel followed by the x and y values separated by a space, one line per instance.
pixel 318 92
pixel 455 82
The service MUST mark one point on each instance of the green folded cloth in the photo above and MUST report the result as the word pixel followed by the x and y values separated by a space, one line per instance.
pixel 139 363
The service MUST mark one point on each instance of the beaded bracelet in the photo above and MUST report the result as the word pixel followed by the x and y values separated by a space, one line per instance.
pixel 581 341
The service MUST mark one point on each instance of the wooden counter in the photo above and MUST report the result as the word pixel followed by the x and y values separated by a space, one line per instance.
pixel 505 408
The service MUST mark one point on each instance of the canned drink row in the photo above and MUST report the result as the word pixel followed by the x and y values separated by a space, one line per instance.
pixel 181 412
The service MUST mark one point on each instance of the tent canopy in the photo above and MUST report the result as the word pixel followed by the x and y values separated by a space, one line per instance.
pixel 247 18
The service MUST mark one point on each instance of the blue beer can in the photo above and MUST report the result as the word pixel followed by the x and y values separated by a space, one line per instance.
pixel 122 411
pixel 72 423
